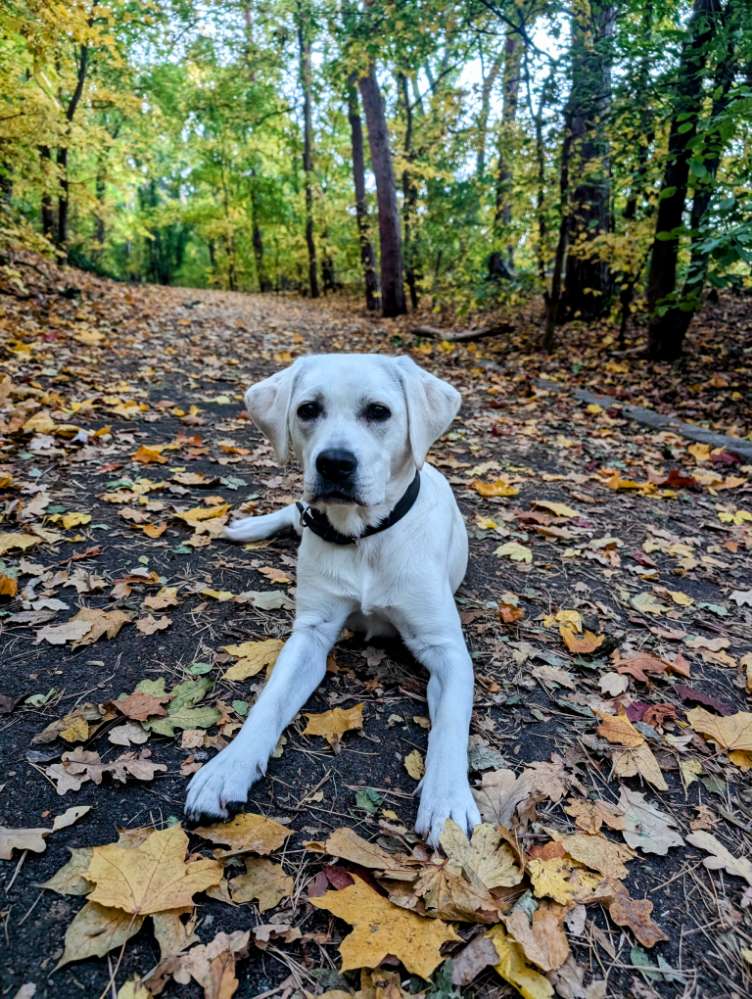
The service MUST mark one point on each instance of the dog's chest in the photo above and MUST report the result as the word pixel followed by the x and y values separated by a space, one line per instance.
pixel 358 574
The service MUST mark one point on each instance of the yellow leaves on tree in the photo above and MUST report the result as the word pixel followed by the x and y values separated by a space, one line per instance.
pixel 381 928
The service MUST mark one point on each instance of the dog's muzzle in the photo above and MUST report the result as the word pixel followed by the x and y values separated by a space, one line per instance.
pixel 336 469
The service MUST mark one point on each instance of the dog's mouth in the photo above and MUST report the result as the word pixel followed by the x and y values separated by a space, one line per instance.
pixel 336 496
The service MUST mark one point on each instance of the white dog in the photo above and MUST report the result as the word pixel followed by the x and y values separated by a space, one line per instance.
pixel 383 549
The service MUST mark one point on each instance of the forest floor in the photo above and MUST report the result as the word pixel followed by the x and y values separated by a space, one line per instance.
pixel 607 607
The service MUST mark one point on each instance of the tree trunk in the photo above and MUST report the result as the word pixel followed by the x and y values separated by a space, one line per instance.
pixel 304 46
pixel 628 280
pixel 510 100
pixel 665 334
pixel 370 282
pixel 553 296
pixel 257 238
pixel 489 82
pixel 390 240
pixel 63 203
pixel 409 196
pixel 47 210
pixel 587 282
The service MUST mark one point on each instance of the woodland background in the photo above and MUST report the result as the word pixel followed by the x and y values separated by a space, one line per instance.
pixel 453 154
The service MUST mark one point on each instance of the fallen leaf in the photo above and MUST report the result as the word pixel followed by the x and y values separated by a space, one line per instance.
pixel 557 509
pixel 646 827
pixel 264 881
pixel 10 540
pixel 720 857
pixel 486 858
pixel 620 730
pixel 515 551
pixel 332 725
pixel 414 764
pixel 139 705
pixel 729 731
pixel 541 938
pixel 639 760
pixel 499 487
pixel 96 930
pixel 513 967
pixel 150 625
pixel 153 877
pixel 252 658
pixel 636 915
pixel 381 928
pixel 246 833
pixel 591 815
pixel 598 853
pixel 563 881
pixel 584 644
pixel 22 839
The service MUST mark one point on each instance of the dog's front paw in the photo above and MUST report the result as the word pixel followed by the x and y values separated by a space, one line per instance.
pixel 221 786
pixel 445 797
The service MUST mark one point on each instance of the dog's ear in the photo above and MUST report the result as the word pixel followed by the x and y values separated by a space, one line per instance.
pixel 432 404
pixel 268 405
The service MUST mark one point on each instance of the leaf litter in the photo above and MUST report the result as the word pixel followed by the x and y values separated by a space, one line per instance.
pixel 607 607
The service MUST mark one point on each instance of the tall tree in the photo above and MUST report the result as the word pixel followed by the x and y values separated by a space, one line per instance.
pixel 63 205
pixel 409 194
pixel 665 335
pixel 509 103
pixel 370 281
pixel 587 280
pixel 390 238
pixel 306 83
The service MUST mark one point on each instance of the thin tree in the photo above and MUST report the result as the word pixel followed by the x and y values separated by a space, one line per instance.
pixel 587 280
pixel 390 239
pixel 304 49
pixel 367 260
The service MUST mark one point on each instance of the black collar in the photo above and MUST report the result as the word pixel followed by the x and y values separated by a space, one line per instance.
pixel 319 523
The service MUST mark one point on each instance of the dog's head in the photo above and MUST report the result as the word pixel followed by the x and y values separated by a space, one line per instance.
pixel 358 423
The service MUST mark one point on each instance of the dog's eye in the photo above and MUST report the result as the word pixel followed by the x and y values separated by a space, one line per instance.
pixel 376 412
pixel 309 410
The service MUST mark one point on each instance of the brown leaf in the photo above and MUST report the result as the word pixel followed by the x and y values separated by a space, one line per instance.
pixel 636 915
pixel 619 729
pixel 543 939
pixel 591 815
pixel 139 706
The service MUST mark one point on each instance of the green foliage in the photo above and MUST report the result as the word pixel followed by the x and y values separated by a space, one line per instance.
pixel 184 150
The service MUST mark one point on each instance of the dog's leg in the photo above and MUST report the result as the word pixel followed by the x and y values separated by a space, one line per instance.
pixel 221 786
pixel 445 789
pixel 266 526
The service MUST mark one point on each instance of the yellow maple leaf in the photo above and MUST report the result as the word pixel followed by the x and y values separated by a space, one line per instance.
pixel 619 729
pixel 557 509
pixel 150 455
pixel 200 513
pixel 246 833
pixel 515 551
pixel 583 644
pixel 332 725
pixel 252 658
pixel 730 732
pixel 562 880
pixel 16 539
pixel 499 487
pixel 381 928
pixel 264 881
pixel 598 853
pixel 153 877
pixel 513 967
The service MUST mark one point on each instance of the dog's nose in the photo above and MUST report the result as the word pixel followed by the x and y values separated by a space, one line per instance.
pixel 336 465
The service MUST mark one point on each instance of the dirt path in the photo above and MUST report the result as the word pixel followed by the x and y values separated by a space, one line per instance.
pixel 641 536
